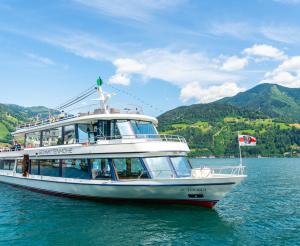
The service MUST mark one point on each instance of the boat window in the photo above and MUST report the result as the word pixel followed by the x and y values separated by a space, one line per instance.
pixel 125 129
pixel 159 167
pixel 76 169
pixel 103 129
pixel 49 168
pixel 69 134
pixel 143 127
pixel 100 169
pixel 114 130
pixel 34 167
pixel 19 166
pixel 181 166
pixel 33 140
pixel 86 133
pixel 130 168
pixel 7 164
pixel 52 137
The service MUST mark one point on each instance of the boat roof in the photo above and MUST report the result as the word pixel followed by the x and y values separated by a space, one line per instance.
pixel 57 122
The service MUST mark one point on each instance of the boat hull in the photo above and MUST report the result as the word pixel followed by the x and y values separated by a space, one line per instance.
pixel 204 192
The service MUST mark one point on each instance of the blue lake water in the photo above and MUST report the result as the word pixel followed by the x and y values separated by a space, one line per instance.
pixel 263 210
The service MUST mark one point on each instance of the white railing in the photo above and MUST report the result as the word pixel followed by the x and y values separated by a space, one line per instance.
pixel 149 137
pixel 7 149
pixel 44 122
pixel 208 171
pixel 67 117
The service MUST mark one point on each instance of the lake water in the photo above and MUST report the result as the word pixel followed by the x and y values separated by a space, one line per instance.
pixel 263 210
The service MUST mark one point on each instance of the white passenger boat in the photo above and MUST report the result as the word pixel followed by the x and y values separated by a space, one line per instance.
pixel 109 155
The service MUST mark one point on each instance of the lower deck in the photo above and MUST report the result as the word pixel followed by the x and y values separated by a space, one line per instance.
pixel 161 178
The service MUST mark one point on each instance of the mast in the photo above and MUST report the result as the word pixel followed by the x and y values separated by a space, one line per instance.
pixel 240 150
pixel 102 97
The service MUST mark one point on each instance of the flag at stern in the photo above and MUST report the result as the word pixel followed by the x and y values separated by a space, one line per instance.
pixel 246 140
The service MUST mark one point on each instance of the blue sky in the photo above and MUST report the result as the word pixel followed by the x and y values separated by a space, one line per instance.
pixel 166 53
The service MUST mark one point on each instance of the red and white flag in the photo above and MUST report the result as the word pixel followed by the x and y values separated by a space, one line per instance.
pixel 246 140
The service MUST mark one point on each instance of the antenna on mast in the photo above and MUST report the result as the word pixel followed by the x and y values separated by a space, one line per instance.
pixel 102 97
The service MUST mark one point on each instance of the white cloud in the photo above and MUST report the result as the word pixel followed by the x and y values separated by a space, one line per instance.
pixel 83 45
pixel 208 94
pixel 282 33
pixel 178 68
pixel 247 31
pixel 138 10
pixel 127 65
pixel 264 50
pixel 40 59
pixel 234 63
pixel 236 29
pixel 286 74
pixel 120 79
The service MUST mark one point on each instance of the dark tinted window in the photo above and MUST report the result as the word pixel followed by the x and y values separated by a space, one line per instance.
pixel 7 164
pixel 69 134
pixel 49 168
pixel 78 169
pixel 100 169
pixel 130 168
pixel 34 169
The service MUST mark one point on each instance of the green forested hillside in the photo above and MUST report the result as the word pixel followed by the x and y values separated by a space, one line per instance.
pixel 269 112
pixel 11 115
pixel 271 99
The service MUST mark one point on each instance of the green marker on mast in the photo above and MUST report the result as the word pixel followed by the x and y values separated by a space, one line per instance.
pixel 99 81
pixel 102 98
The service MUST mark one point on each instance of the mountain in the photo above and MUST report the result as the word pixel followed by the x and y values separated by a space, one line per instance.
pixel 271 99
pixel 269 112
pixel 12 115
pixel 211 112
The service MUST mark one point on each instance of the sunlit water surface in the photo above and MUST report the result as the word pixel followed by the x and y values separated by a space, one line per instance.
pixel 263 210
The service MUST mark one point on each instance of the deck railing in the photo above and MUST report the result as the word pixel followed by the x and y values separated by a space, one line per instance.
pixel 206 171
pixel 7 149
pixel 149 137
pixel 44 122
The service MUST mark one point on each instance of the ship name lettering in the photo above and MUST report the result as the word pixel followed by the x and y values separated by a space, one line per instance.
pixel 56 151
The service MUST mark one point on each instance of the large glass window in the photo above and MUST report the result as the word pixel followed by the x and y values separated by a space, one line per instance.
pixel 181 166
pixel 159 167
pixel 86 133
pixel 103 129
pixel 49 168
pixel 125 129
pixel 7 164
pixel 143 127
pixel 114 129
pixel 69 134
pixel 130 168
pixel 76 169
pixel 19 168
pixel 33 140
pixel 52 137
pixel 34 167
pixel 100 169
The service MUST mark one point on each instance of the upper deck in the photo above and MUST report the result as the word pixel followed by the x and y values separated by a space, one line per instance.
pixel 83 118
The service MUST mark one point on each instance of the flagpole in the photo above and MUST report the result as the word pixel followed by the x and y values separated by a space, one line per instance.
pixel 241 160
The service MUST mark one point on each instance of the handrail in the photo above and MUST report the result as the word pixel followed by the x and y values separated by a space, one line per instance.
pixel 231 170
pixel 7 149
pixel 59 119
pixel 44 122
pixel 153 137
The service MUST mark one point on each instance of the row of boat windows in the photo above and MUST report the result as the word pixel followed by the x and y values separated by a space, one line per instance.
pixel 82 133
pixel 118 168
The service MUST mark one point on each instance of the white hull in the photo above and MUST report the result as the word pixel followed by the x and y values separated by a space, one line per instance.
pixel 203 192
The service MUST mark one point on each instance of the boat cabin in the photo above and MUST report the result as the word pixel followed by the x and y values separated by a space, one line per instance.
pixel 97 130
